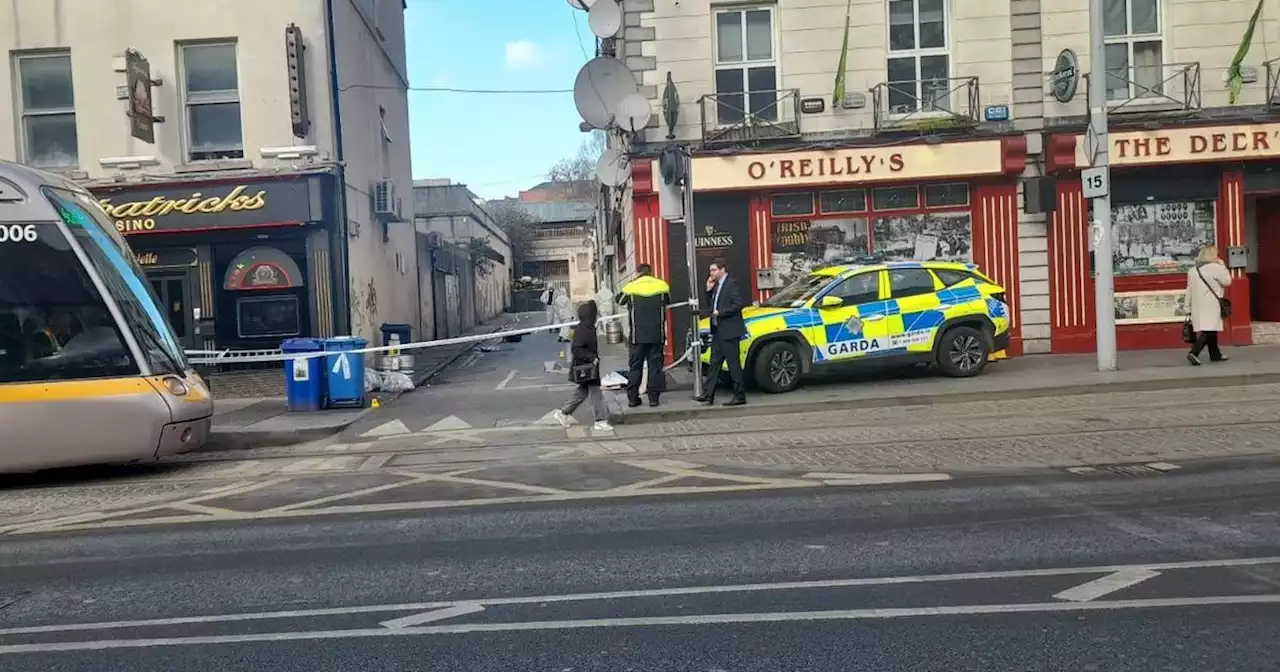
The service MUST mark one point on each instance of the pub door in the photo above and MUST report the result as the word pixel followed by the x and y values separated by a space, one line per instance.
pixel 173 291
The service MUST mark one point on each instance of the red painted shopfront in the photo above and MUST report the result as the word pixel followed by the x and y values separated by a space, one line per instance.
pixel 791 211
pixel 1174 190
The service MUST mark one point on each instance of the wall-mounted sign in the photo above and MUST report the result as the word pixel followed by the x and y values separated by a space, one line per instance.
pixel 1186 145
pixel 1065 78
pixel 209 206
pixel 848 166
pixel 138 79
pixel 813 105
pixel 164 259
pixel 1151 307
pixel 262 268
pixel 996 113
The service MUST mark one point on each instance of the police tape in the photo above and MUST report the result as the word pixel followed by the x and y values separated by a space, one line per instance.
pixel 242 356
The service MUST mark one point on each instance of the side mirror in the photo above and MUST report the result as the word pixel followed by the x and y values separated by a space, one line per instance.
pixel 831 302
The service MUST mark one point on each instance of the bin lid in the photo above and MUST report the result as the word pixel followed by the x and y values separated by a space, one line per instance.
pixel 395 327
pixel 353 342
pixel 302 345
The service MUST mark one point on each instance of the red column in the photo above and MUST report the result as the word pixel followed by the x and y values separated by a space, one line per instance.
pixel 995 247
pixel 1071 300
pixel 1238 329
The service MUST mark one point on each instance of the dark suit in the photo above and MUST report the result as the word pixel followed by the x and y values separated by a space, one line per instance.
pixel 727 331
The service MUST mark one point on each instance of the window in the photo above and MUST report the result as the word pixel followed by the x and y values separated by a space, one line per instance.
pixel 790 205
pixel 953 278
pixel 896 198
pixel 1160 237
pixel 1135 51
pixel 946 195
pixel 905 282
pixel 839 202
pixel 862 288
pixel 48 110
pixel 746 69
pixel 268 316
pixel 919 63
pixel 212 92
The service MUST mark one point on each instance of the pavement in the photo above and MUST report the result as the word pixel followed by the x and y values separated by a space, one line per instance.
pixel 1177 571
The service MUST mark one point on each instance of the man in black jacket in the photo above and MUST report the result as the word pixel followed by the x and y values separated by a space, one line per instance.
pixel 724 302
pixel 647 298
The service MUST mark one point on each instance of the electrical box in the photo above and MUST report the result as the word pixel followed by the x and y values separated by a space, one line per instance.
pixel 767 278
pixel 1237 257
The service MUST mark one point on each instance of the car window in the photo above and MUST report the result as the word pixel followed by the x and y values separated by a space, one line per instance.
pixel 950 278
pixel 904 282
pixel 861 288
pixel 798 292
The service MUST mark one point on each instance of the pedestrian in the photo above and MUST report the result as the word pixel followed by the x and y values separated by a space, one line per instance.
pixel 1207 303
pixel 584 369
pixel 548 303
pixel 725 302
pixel 562 313
pixel 647 299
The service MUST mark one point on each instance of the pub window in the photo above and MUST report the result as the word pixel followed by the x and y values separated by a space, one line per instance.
pixel 801 246
pixel 48 110
pixel 896 198
pixel 926 236
pixel 836 202
pixel 211 93
pixel 268 316
pixel 791 205
pixel 946 195
pixel 1160 237
pixel 919 59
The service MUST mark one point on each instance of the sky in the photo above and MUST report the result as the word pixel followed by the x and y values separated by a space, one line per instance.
pixel 496 144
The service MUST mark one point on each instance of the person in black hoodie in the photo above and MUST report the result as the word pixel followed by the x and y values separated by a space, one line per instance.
pixel 585 349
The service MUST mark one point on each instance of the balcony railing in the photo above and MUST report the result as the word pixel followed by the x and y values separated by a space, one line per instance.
pixel 750 117
pixel 1273 84
pixel 1172 87
pixel 929 104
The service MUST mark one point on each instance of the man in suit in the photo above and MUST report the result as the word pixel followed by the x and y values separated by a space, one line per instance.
pixel 725 303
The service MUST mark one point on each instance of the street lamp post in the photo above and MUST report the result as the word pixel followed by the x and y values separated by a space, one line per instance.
pixel 1099 178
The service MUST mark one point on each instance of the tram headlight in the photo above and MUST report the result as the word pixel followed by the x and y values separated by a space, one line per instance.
pixel 176 386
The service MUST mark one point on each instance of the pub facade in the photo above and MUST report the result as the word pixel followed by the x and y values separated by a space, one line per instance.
pixel 237 262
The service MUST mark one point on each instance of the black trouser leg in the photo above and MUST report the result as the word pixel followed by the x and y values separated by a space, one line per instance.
pixel 1209 339
pixel 635 371
pixel 733 356
pixel 657 379
pixel 713 370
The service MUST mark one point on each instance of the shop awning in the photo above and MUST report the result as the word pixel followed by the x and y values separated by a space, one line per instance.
pixel 262 268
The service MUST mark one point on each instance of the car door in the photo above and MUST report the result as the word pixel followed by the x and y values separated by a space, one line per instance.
pixel 858 326
pixel 915 326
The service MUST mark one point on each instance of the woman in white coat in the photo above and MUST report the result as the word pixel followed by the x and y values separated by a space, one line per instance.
pixel 1206 284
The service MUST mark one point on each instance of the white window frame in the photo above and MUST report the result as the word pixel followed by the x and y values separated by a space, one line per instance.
pixel 916 54
pixel 1129 39
pixel 746 63
pixel 23 114
pixel 208 98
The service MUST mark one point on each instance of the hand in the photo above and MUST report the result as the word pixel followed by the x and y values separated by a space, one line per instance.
pixel 711 284
pixel 715 313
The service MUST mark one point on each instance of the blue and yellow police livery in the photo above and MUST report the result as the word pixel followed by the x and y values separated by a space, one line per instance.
pixel 947 314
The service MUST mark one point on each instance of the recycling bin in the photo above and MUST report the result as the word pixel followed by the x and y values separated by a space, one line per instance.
pixel 303 379
pixel 344 372
pixel 403 330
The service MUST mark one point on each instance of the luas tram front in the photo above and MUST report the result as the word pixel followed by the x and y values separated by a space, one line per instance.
pixel 90 372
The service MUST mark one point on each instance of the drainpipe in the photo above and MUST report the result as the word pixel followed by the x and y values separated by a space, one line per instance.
pixel 342 323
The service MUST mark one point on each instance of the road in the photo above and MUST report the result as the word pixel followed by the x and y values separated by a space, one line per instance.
pixel 1155 570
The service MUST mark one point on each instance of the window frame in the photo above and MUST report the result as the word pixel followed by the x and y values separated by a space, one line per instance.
pixel 242 300
pixel 746 64
pixel 220 97
pixel 23 114
pixel 933 282
pixel 916 53
pixel 1129 39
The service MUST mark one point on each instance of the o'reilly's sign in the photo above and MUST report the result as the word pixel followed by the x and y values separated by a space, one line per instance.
pixel 203 207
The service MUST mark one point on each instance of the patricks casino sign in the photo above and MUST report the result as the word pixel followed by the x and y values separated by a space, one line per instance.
pixel 204 207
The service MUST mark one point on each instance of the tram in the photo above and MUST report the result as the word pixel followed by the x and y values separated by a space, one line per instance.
pixel 90 371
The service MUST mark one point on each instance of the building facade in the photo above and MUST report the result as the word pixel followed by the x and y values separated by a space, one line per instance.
pixel 959 134
pixel 258 177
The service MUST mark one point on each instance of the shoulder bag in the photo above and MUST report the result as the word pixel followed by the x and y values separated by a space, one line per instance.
pixel 1224 304
pixel 583 374
pixel 1188 331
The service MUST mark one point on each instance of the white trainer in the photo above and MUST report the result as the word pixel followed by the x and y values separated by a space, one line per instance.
pixel 602 426
pixel 563 419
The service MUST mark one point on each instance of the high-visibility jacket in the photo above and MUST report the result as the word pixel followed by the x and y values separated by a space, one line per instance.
pixel 647 298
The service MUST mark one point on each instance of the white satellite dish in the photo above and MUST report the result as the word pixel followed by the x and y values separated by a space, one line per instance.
pixel 605 18
pixel 634 112
pixel 613 169
pixel 599 89
pixel 581 4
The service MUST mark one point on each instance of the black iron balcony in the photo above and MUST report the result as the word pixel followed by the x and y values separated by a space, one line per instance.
pixel 928 104
pixel 1138 89
pixel 1273 85
pixel 750 116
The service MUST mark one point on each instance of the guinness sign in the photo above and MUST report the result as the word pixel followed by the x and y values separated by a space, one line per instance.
pixel 213 206
pixel 711 238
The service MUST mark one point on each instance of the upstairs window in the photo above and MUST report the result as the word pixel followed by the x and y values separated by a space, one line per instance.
pixel 212 97
pixel 48 110
pixel 919 64
pixel 1135 49
pixel 746 65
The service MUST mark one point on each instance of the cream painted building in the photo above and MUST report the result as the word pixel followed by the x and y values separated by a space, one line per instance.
pixel 949 119
pixel 283 124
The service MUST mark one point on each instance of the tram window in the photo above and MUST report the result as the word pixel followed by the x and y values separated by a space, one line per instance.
pixel 54 324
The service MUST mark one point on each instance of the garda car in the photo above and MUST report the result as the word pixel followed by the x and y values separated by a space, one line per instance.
pixel 946 314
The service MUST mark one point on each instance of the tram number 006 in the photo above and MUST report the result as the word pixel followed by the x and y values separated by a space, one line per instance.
pixel 18 233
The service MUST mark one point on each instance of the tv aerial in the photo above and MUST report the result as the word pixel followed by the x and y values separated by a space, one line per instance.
pixel 613 169
pixel 605 18
pixel 599 89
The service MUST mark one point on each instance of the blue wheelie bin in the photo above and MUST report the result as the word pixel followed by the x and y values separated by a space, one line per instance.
pixel 344 372
pixel 303 379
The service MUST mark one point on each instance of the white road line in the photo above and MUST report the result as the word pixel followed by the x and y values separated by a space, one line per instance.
pixel 630 594
pixel 432 616
pixel 510 376
pixel 694 620
pixel 307 464
pixel 376 462
pixel 1106 585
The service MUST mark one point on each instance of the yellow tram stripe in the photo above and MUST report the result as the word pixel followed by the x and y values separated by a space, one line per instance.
pixel 17 393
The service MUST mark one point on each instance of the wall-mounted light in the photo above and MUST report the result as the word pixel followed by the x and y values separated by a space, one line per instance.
pixel 128 161
pixel 292 152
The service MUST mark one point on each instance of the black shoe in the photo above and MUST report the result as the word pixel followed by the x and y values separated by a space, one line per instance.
pixel 1220 359
pixel 632 403
pixel 653 402
pixel 1195 361
pixel 736 401
pixel 705 400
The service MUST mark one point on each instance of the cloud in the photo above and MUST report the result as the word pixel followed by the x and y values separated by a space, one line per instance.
pixel 524 55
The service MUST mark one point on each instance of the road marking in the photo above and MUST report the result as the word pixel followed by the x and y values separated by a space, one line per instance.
pixel 205 510
pixel 450 423
pixel 617 447
pixel 307 464
pixel 388 428
pixel 707 619
pixel 510 376
pixel 664 466
pixel 376 462
pixel 1106 585
pixel 432 616
pixel 875 479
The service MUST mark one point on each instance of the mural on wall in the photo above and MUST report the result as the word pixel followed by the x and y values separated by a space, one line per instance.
pixel 925 237
pixel 1160 237
pixel 800 247
pixel 1151 307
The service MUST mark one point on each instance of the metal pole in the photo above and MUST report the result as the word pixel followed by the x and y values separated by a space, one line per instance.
pixel 1104 278
pixel 691 258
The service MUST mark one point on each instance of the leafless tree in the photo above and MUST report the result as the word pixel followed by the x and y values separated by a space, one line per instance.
pixel 518 224
pixel 578 172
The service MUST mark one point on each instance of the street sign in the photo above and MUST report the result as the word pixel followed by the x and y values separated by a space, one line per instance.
pixel 138 79
pixel 1096 184
pixel 1065 77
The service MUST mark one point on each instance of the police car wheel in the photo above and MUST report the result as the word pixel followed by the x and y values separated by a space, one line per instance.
pixel 777 368
pixel 963 352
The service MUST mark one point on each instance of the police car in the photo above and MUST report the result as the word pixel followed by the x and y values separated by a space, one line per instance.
pixel 946 314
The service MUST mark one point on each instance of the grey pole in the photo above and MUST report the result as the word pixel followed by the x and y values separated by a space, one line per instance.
pixel 1104 278
pixel 691 258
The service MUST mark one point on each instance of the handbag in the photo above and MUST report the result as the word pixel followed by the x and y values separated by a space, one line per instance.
pixel 1188 331
pixel 1224 304
pixel 583 374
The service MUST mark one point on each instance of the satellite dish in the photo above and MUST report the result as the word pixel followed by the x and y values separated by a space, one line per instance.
pixel 605 18
pixel 581 4
pixel 599 89
pixel 634 112
pixel 613 169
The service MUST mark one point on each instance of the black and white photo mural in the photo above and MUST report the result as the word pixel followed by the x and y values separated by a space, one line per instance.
pixel 927 236
pixel 1160 237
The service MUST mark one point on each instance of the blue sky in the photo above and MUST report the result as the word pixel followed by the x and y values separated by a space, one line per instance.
pixel 496 144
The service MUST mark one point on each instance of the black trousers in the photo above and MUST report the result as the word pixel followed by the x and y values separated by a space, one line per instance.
pixel 640 356
pixel 1209 339
pixel 725 351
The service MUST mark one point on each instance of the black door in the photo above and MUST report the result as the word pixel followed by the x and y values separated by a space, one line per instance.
pixel 174 294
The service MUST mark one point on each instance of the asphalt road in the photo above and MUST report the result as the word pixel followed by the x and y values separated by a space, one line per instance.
pixel 1167 571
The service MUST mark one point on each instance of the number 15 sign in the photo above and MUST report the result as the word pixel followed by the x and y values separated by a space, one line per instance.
pixel 1096 183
